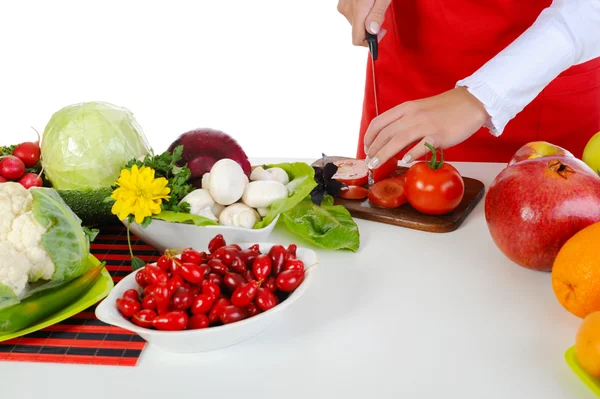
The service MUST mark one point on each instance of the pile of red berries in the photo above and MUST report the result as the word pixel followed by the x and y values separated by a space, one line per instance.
pixel 193 290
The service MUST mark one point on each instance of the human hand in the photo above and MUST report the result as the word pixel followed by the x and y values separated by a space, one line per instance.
pixel 443 121
pixel 364 14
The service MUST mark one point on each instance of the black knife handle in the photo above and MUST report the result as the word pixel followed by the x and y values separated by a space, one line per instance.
pixel 372 40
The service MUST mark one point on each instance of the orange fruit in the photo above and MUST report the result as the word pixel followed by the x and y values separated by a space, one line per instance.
pixel 587 344
pixel 576 272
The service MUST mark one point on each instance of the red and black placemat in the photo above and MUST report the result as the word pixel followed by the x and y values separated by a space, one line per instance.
pixel 83 339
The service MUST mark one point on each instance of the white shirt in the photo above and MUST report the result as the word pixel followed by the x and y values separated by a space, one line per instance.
pixel 565 34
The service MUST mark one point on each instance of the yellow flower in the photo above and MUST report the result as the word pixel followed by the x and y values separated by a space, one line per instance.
pixel 139 193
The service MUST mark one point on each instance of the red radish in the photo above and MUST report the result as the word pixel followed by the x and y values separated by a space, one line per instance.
pixel 28 152
pixel 11 167
pixel 31 180
pixel 3 179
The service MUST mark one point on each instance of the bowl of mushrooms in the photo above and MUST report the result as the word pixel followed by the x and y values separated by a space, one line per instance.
pixel 228 198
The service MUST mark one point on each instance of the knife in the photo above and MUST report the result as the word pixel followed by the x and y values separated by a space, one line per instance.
pixel 374 54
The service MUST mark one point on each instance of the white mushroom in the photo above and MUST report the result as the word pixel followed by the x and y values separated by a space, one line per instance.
pixel 203 204
pixel 239 215
pixel 227 181
pixel 206 181
pixel 262 193
pixel 277 174
pixel 262 211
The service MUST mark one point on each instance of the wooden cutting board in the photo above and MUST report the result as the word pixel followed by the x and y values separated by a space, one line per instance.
pixel 407 216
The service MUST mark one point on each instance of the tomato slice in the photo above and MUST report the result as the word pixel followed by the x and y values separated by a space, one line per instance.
pixel 385 170
pixel 354 193
pixel 352 172
pixel 388 193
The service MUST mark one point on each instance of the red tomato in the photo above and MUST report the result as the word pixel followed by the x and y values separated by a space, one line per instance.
pixel 386 170
pixel 388 193
pixel 352 172
pixel 354 193
pixel 434 187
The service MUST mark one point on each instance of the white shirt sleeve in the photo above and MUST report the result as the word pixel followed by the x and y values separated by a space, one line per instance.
pixel 565 34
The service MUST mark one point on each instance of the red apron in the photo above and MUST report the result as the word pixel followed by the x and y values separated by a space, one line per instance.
pixel 430 45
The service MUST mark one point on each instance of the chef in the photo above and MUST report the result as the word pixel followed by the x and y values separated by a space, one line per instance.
pixel 477 78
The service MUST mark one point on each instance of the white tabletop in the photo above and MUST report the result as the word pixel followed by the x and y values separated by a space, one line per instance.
pixel 410 315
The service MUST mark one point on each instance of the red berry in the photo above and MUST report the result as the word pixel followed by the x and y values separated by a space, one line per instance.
pixel 192 273
pixel 215 313
pixel 172 321
pixel 155 275
pixel 291 250
pixel 289 280
pixel 202 303
pixel 217 266
pixel 149 302
pixel 278 255
pixel 197 322
pixel 175 265
pixel 245 294
pixel 182 298
pixel 162 298
pixel 216 279
pixel 269 284
pixel 231 314
pixel 233 280
pixel 265 299
pixel 255 248
pixel 175 282
pixel 294 264
pixel 262 267
pixel 164 262
pixel 253 310
pixel 131 293
pixel 248 257
pixel 140 278
pixel 209 288
pixel 128 307
pixel 217 242
pixel 144 318
pixel 191 256
pixel 149 289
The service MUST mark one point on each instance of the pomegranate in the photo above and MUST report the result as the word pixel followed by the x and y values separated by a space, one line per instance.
pixel 534 206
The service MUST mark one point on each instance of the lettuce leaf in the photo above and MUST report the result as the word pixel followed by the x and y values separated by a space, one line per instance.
pixel 302 182
pixel 328 226
pixel 7 297
pixel 64 239
pixel 187 218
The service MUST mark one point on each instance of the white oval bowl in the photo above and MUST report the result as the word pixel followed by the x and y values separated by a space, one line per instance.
pixel 211 338
pixel 162 235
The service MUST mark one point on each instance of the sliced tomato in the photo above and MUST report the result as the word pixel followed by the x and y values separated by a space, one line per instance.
pixel 388 193
pixel 352 172
pixel 354 193
pixel 386 170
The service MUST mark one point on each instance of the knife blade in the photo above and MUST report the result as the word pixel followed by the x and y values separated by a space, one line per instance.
pixel 374 55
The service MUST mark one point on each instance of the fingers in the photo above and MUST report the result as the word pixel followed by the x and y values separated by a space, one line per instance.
pixel 381 122
pixel 361 10
pixel 402 126
pixel 420 149
pixel 376 16
pixel 400 141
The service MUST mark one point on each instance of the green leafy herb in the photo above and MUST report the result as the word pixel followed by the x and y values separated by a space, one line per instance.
pixel 187 218
pixel 327 225
pixel 8 150
pixel 302 182
pixel 91 233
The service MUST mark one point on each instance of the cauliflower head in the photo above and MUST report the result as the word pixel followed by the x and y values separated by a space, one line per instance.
pixel 23 258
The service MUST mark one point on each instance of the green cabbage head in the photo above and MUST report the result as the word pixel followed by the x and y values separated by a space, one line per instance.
pixel 85 145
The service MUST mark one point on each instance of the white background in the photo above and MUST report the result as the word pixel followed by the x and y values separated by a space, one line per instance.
pixel 281 77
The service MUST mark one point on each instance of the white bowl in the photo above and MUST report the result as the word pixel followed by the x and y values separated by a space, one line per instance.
pixel 162 235
pixel 211 338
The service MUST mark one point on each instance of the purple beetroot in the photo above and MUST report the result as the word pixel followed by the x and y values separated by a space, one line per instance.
pixel 202 148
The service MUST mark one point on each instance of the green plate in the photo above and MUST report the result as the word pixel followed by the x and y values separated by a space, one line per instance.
pixel 592 382
pixel 99 291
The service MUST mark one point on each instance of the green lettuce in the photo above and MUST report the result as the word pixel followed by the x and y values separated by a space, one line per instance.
pixel 7 297
pixel 302 182
pixel 187 218
pixel 328 226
